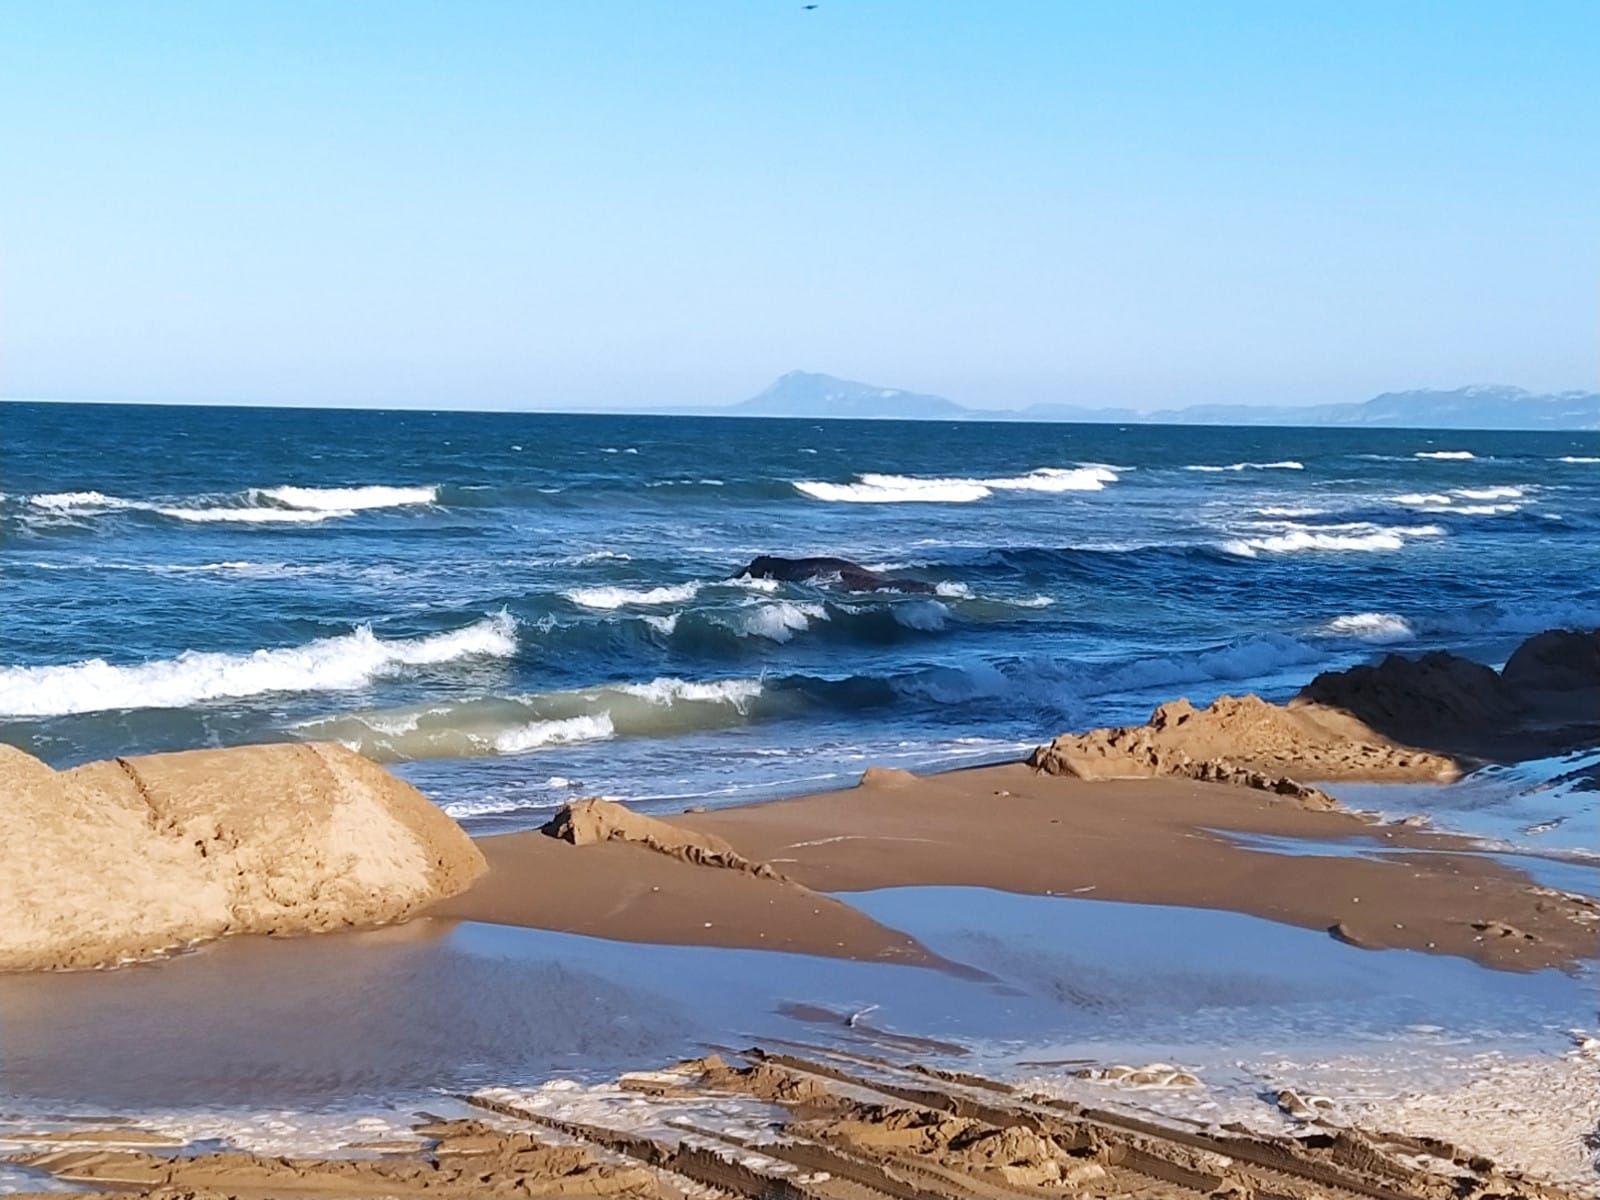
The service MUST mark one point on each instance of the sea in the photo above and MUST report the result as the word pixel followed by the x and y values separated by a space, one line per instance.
pixel 513 610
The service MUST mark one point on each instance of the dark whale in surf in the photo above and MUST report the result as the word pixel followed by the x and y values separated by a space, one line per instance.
pixel 835 572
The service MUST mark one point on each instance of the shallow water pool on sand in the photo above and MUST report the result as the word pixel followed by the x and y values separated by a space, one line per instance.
pixel 398 1014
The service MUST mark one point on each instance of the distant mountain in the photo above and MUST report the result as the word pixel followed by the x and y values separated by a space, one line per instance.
pixel 805 394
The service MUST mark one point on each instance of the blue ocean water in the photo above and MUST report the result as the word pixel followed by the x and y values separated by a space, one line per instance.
pixel 515 609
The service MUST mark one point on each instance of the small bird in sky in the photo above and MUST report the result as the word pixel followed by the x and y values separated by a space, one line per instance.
pixel 808 7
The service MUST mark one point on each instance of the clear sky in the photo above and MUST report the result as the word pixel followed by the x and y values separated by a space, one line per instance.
pixel 529 204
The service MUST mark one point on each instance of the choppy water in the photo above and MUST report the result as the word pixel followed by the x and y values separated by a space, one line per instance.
pixel 519 608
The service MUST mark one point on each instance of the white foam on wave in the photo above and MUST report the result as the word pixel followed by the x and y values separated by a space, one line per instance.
pixel 620 597
pixel 665 626
pixel 1285 465
pixel 1376 627
pixel 534 734
pixel 348 499
pixel 668 690
pixel 1057 479
pixel 497 725
pixel 341 663
pixel 874 488
pixel 80 503
pixel 926 615
pixel 1291 510
pixel 1461 455
pixel 894 489
pixel 1579 458
pixel 1511 499
pixel 253 516
pixel 259 506
pixel 1358 537
pixel 781 621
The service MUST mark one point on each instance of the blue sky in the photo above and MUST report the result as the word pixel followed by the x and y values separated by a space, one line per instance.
pixel 532 204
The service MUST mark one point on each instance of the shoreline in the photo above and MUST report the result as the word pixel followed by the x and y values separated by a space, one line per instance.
pixel 1162 842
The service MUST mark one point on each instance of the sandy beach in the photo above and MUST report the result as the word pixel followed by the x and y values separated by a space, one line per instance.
pixel 799 601
pixel 983 923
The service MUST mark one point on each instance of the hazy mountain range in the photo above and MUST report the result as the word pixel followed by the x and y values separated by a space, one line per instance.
pixel 807 394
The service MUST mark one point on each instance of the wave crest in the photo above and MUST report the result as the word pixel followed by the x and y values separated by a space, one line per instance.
pixel 1377 627
pixel 1358 537
pixel 872 488
pixel 343 663
pixel 1285 465
pixel 349 499
pixel 501 725
pixel 621 597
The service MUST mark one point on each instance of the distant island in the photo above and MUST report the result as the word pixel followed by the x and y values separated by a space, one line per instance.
pixel 809 394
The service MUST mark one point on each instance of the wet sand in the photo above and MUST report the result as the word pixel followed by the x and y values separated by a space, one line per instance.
pixel 804 1124
pixel 1011 828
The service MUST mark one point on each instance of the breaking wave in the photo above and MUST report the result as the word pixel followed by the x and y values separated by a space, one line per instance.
pixel 347 662
pixel 500 725
pixel 910 489
pixel 1355 537
pixel 778 622
pixel 1447 454
pixel 341 499
pixel 619 597
pixel 1286 465
pixel 254 506
pixel 1377 627
pixel 1510 498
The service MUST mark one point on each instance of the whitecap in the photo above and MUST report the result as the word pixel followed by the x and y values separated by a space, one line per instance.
pixel 1358 537
pixel 619 597
pixel 1578 458
pixel 668 690
pixel 254 516
pixel 781 621
pixel 874 488
pixel 80 503
pixel 346 662
pixel 1445 454
pixel 344 500
pixel 926 615
pixel 1378 627
pixel 1451 501
pixel 894 489
pixel 591 728
pixel 1285 465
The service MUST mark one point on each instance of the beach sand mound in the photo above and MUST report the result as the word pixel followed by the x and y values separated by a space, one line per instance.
pixel 115 861
pixel 1242 740
pixel 1401 719
pixel 592 821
